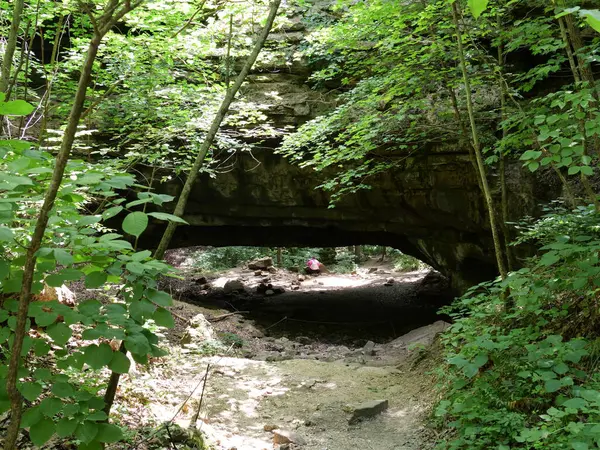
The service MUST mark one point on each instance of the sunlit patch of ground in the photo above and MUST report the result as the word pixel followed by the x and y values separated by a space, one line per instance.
pixel 307 396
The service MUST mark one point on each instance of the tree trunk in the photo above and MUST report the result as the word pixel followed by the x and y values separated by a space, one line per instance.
pixel 212 132
pixel 40 228
pixel 11 45
pixel 504 199
pixel 477 148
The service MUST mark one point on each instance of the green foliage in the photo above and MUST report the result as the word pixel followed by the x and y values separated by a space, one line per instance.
pixel 528 378
pixel 231 340
pixel 76 246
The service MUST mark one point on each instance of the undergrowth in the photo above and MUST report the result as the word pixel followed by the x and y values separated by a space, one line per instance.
pixel 527 378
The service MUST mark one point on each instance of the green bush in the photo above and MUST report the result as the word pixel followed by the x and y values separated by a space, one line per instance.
pixel 527 378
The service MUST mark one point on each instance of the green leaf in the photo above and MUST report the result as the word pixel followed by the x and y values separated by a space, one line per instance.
pixel 42 432
pixel 98 356
pixel 592 16
pixel 561 368
pixel 60 333
pixel 137 344
pixel 86 431
pixel 62 389
pixel 63 257
pixel 6 234
pixel 31 417
pixel 161 298
pixel 108 433
pixel 140 256
pixel 31 391
pixel 138 202
pixel 16 108
pixel 135 223
pixel 552 385
pixel 163 318
pixel 94 280
pixel 90 307
pixel 575 403
pixel 51 406
pixel 42 374
pixel 66 426
pixel 168 217
pixel 580 445
pixel 477 7
pixel 135 267
pixel 549 258
pixel 111 212
pixel 97 416
pixel 120 363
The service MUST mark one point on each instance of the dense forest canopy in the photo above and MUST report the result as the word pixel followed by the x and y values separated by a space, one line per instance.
pixel 90 90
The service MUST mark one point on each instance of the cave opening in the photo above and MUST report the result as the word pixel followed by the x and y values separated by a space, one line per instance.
pixel 363 294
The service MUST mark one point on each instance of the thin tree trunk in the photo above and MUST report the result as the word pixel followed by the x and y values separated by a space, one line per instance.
pixel 40 228
pixel 113 384
pixel 504 191
pixel 565 38
pixel 577 43
pixel 477 148
pixel 279 257
pixel 228 57
pixel 212 132
pixel 11 45
pixel 464 134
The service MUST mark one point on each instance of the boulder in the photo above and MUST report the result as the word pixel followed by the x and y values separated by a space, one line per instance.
pixel 232 286
pixel 199 330
pixel 261 264
pixel 424 335
pixel 367 410
pixel 287 437
pixel 369 348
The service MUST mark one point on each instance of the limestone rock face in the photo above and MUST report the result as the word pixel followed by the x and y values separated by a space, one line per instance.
pixel 429 207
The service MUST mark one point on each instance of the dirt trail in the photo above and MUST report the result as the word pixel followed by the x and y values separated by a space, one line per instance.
pixel 312 398
pixel 289 364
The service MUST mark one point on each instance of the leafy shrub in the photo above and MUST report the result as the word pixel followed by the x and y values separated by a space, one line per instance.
pixel 527 378
pixel 231 340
